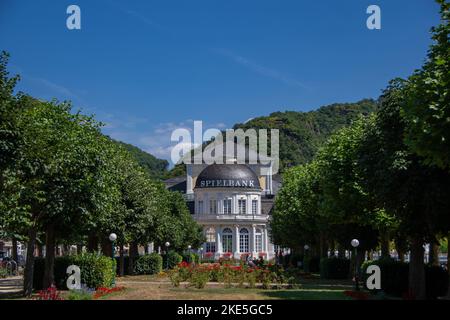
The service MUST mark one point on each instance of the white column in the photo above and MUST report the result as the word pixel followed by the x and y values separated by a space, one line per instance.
pixel 266 243
pixel 218 242
pixel 253 242
pixel 189 179
pixel 236 241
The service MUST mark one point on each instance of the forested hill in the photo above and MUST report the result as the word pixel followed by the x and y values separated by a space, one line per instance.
pixel 157 168
pixel 301 133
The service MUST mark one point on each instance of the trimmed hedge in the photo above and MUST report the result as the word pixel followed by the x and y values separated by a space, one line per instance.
pixel 191 258
pixel 61 264
pixel 394 278
pixel 96 270
pixel 173 259
pixel 148 264
pixel 311 264
pixel 334 268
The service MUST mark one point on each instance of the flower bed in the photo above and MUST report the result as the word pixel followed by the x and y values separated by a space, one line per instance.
pixel 101 292
pixel 227 272
pixel 52 293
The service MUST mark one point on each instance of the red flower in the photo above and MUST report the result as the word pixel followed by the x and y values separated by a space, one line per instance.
pixel 359 295
pixel 49 294
pixel 102 291
pixel 183 264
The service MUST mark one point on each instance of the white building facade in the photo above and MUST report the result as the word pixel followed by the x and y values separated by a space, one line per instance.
pixel 227 200
pixel 233 203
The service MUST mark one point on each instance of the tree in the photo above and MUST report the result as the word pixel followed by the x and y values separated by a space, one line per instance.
pixel 415 194
pixel 426 107
pixel 295 218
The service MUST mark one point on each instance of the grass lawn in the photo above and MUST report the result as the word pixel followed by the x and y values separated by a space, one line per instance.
pixel 158 288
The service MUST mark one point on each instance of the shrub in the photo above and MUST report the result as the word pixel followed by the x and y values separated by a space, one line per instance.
pixel 436 281
pixel 334 268
pixel 3 272
pixel 394 278
pixel 295 259
pixel 251 278
pixel 172 259
pixel 175 276
pixel 191 258
pixel 60 276
pixel 314 264
pixel 79 295
pixel 96 270
pixel 199 278
pixel 394 275
pixel 148 264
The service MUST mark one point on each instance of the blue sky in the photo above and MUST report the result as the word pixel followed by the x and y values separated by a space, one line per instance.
pixel 147 67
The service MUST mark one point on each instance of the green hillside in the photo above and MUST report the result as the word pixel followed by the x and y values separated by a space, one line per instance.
pixel 301 133
pixel 157 168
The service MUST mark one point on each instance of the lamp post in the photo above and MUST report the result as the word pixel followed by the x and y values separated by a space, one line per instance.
pixel 201 253
pixel 355 244
pixel 305 259
pixel 189 249
pixel 113 238
pixel 167 244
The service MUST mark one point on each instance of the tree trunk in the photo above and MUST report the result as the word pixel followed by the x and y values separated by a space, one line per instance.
pixel 434 254
pixel 49 257
pixel 384 243
pixel 360 255
pixel 133 252
pixel 121 262
pixel 341 251
pixel 40 250
pixel 106 247
pixel 323 248
pixel 14 249
pixel 92 245
pixel 29 264
pixel 417 270
pixel 401 255
pixel 332 248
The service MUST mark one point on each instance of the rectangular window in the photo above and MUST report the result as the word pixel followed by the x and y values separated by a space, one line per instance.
pixel 243 243
pixel 210 247
pixel 242 205
pixel 258 243
pixel 227 206
pixel 210 240
pixel 200 207
pixel 254 206
pixel 227 243
pixel 212 206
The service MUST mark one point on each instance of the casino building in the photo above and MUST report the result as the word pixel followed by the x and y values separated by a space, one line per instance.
pixel 233 202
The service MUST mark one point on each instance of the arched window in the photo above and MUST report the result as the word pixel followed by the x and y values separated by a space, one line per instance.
pixel 258 240
pixel 227 240
pixel 244 241
pixel 210 240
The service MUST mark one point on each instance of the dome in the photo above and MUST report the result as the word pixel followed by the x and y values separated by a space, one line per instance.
pixel 227 176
